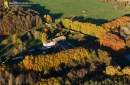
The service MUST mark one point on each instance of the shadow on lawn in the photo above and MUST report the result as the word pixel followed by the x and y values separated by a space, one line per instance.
pixel 127 15
pixel 83 42
pixel 98 22
pixel 2 37
pixel 42 10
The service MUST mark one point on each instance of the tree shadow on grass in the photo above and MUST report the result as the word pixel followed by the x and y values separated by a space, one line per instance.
pixel 127 15
pixel 2 46
pixel 98 22
pixel 24 37
pixel 42 10
pixel 2 37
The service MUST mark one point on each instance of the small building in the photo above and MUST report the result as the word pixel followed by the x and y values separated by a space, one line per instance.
pixel 53 42
pixel 49 44
pixel 59 38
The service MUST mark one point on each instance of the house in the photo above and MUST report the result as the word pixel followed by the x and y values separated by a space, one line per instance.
pixel 59 38
pixel 53 42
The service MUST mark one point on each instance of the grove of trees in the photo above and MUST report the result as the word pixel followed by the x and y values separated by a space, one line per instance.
pixel 16 19
pixel 113 43
pixel 47 62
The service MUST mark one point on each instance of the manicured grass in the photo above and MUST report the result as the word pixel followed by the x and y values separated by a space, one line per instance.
pixel 66 8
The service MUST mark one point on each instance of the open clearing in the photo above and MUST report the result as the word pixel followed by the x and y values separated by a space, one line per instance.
pixel 66 8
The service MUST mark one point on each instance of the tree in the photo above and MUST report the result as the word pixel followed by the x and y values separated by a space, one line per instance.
pixel 114 24
pixel 113 43
pixel 15 51
pixel 14 38
pixel 46 29
pixel 29 35
pixel 44 37
pixel 40 22
pixel 47 18
pixel 11 79
pixel 19 80
pixel 20 47
pixel 19 41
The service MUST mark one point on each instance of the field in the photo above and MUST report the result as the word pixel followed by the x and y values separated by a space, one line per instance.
pixel 95 10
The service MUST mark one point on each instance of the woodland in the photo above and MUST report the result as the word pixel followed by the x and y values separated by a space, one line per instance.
pixel 97 59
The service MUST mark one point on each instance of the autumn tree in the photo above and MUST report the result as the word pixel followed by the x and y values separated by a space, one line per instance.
pixel 16 20
pixel 114 24
pixel 44 37
pixel 15 51
pixel 29 35
pixel 110 70
pixel 46 62
pixel 20 47
pixel 47 18
pixel 86 28
pixel 46 29
pixel 37 34
pixel 113 43
pixel 14 38
pixel 19 40
pixel 28 62
pixel 19 80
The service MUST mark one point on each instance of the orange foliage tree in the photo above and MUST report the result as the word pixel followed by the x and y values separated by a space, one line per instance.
pixel 116 23
pixel 28 62
pixel 113 43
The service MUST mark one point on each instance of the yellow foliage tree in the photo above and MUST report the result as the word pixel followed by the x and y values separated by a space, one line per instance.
pixel 28 62
pixel 44 37
pixel 126 71
pixel 47 18
pixel 6 4
pixel 14 38
pixel 46 62
pixel 110 70
pixel 86 28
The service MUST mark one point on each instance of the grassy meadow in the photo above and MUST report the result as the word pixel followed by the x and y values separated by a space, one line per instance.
pixel 68 8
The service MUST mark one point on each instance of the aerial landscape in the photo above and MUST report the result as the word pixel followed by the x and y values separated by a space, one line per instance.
pixel 64 42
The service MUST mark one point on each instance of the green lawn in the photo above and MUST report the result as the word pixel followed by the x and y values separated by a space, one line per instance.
pixel 66 8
